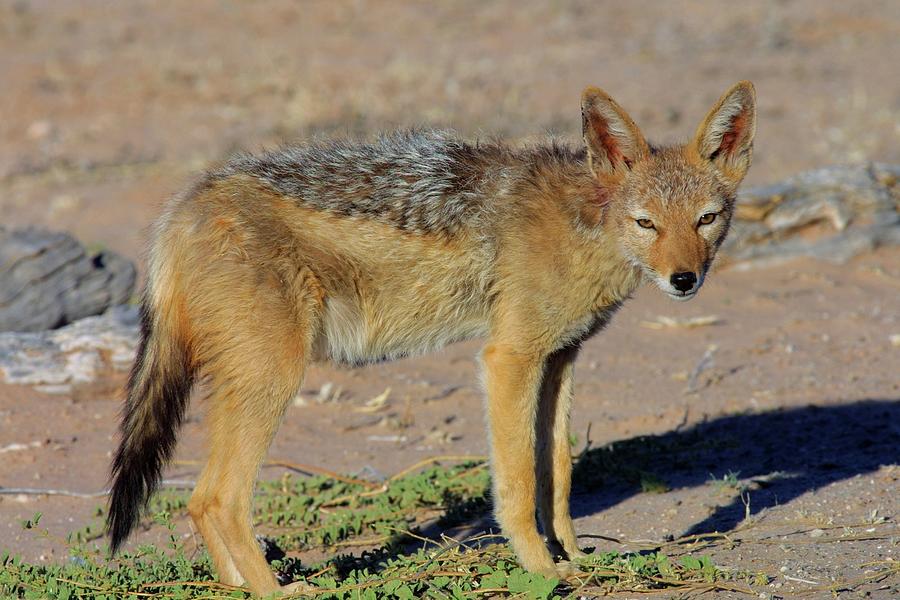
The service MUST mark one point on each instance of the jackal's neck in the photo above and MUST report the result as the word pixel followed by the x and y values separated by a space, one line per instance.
pixel 609 276
pixel 566 236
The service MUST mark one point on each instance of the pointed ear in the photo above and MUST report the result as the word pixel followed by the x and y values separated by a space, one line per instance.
pixel 726 135
pixel 613 141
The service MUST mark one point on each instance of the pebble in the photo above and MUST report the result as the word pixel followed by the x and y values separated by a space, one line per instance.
pixel 39 130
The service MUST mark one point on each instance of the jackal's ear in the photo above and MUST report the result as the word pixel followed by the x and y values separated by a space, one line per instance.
pixel 726 135
pixel 613 141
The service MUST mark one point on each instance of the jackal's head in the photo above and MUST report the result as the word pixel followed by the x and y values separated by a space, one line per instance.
pixel 669 207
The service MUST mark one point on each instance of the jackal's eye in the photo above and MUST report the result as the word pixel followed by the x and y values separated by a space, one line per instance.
pixel 707 218
pixel 646 223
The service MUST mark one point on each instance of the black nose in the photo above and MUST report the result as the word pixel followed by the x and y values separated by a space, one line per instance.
pixel 683 281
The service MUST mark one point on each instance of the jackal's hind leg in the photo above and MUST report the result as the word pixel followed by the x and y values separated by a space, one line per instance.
pixel 255 366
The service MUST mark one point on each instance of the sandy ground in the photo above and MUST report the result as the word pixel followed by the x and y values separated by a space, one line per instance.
pixel 108 107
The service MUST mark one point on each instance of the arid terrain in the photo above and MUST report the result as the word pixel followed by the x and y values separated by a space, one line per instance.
pixel 791 395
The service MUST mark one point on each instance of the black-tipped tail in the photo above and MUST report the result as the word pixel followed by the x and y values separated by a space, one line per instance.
pixel 158 391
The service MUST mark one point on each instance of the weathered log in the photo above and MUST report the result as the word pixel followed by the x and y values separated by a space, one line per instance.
pixel 55 361
pixel 840 212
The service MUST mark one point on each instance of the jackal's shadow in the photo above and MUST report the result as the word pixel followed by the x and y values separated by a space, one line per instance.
pixel 787 451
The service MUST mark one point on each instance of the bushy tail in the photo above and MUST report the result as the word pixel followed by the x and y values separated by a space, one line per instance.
pixel 158 391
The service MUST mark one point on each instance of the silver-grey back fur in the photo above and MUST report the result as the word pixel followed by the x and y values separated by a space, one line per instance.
pixel 420 181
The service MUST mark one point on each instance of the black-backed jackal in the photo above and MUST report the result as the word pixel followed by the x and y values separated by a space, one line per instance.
pixel 360 252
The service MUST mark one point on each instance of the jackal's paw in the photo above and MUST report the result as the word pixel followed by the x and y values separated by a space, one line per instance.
pixel 539 562
pixel 549 572
pixel 566 569
pixel 298 589
pixel 565 551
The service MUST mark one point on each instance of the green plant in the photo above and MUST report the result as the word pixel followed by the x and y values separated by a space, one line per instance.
pixel 728 483
pixel 326 515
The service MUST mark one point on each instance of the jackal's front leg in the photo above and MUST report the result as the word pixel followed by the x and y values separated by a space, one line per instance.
pixel 554 459
pixel 513 383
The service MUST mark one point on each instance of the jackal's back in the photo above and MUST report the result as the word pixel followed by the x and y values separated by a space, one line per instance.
pixel 416 181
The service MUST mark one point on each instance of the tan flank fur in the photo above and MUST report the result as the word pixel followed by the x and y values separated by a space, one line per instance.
pixel 358 252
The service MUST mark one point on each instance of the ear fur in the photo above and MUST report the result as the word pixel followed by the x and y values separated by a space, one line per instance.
pixel 613 141
pixel 726 135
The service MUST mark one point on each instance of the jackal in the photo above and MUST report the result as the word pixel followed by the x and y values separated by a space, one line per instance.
pixel 359 252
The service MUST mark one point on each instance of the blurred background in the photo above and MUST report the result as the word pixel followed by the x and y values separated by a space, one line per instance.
pixel 107 107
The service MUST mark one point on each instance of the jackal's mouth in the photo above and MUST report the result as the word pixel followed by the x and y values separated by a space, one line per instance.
pixel 669 290
pixel 682 296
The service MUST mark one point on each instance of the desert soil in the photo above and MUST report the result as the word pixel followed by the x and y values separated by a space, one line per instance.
pixel 109 107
